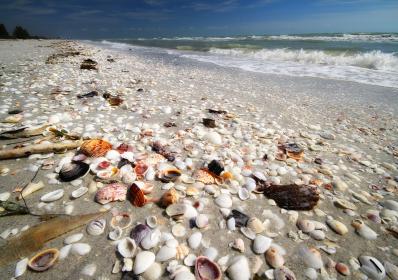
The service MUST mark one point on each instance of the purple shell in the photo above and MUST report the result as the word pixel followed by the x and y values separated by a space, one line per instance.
pixel 139 232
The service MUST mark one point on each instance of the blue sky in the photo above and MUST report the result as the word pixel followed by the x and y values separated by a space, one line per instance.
pixel 148 18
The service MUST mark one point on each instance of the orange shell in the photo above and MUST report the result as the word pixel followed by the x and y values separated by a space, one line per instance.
pixel 137 197
pixel 169 197
pixel 227 175
pixel 95 147
pixel 297 156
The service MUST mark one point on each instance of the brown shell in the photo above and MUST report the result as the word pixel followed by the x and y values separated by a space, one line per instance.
pixel 297 156
pixel 137 197
pixel 95 147
pixel 44 259
pixel 293 197
pixel 205 269
pixel 169 197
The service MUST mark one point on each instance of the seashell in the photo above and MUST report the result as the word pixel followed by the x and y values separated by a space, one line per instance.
pixel 273 258
pixel 390 204
pixel 80 249
pixel 151 239
pixel 89 269
pixel 64 251
pixel 73 238
pixel 95 147
pixel 72 170
pixel 239 268
pixel 284 273
pixel 391 270
pixel 165 253
pixel 111 192
pixel 184 275
pixel 195 239
pixel 344 204
pixel 215 167
pixel 21 267
pixel 169 175
pixel 29 189
pixel 140 169
pixel 204 176
pixel 255 264
pixel 96 227
pixel 79 192
pixel 311 273
pixel 115 234
pixel 342 269
pixel 190 260
pixel 178 230
pixel 202 221
pixel 363 230
pixel 261 244
pixel 255 225
pixel 211 253
pixel 224 200
pixel 176 210
pixel 127 264
pixel 154 272
pixel 146 187
pixel 243 194
pixel 372 267
pixel 231 223
pixel 169 197
pixel 143 261
pixel 311 257
pixel 121 220
pixel 127 247
pixel 181 251
pixel 305 226
pixel 241 219
pixel 137 196
pixel 293 197
pixel 44 260
pixel 337 226
pixel 238 245
pixel 206 269
pixel 317 234
pixel 152 221
pixel 53 196
pixel 139 232
pixel 248 233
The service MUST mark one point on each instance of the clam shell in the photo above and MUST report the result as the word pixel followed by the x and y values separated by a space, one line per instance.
pixel 224 201
pixel 121 220
pixel 211 253
pixel 337 226
pixel 96 227
pixel 115 234
pixel 190 260
pixel 195 239
pixel 73 170
pixel 89 269
pixel 143 261
pixel 391 270
pixel 231 223
pixel 311 257
pixel 44 260
pixel 154 272
pixel 305 226
pixel 73 238
pixel 169 175
pixel 139 232
pixel 127 247
pixel 363 230
pixel 318 234
pixel 80 249
pixel 261 244
pixel 176 210
pixel 52 196
pixel 79 192
pixel 241 219
pixel 255 225
pixel 243 194
pixel 178 230
pixel 165 253
pixel 239 268
pixel 390 204
pixel 202 221
pixel 206 269
pixel 372 267
pixel 274 259
pixel 151 240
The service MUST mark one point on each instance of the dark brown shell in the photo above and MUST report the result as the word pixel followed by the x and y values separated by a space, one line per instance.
pixel 137 197
pixel 293 197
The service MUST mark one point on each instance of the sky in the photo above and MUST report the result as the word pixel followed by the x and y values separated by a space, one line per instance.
pixel 94 19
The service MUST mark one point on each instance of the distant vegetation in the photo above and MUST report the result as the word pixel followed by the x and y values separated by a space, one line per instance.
pixel 18 33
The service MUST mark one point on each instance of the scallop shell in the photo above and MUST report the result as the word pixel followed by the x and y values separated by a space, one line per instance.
pixel 182 251
pixel 95 148
pixel 255 225
pixel 44 259
pixel 143 261
pixel 273 258
pixel 206 269
pixel 261 244
pixel 121 220
pixel 127 247
pixel 73 170
pixel 52 196
pixel 137 196
pixel 204 176
pixel 79 192
pixel 311 257
pixel 96 227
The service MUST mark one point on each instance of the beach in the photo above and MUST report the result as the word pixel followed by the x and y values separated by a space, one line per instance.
pixel 347 133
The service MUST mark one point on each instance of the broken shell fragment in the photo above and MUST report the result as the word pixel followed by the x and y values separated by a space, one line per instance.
pixel 52 196
pixel 73 170
pixel 284 273
pixel 44 260
pixel 255 225
pixel 121 220
pixel 111 192
pixel 238 244
pixel 127 247
pixel 205 269
pixel 29 189
pixel 79 192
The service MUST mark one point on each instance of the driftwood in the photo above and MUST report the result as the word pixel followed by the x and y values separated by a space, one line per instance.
pixel 39 149
pixel 23 132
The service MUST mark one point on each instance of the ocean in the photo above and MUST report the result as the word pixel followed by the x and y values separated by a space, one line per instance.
pixel 370 58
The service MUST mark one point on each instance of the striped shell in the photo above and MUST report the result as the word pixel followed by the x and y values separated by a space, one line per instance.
pixel 137 197
pixel 111 192
pixel 95 148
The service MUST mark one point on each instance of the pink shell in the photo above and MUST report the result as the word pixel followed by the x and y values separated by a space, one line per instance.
pixel 111 192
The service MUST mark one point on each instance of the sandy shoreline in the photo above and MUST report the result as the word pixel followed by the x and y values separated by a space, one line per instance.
pixel 359 120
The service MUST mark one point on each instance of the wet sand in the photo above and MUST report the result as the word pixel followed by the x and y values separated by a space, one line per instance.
pixel 264 109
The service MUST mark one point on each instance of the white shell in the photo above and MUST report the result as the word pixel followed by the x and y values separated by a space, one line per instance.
pixel 239 268
pixel 390 204
pixel 178 230
pixel 127 247
pixel 151 240
pixel 224 201
pixel 52 196
pixel 214 138
pixel 337 226
pixel 79 192
pixel 372 267
pixel 261 244
pixel 143 261
pixel 201 221
pixel 80 249
pixel 96 227
pixel 231 223
pixel 306 226
pixel 311 257
pixel 184 275
pixel 113 155
pixel 152 221
pixel 21 267
pixel 248 233
pixel 64 251
pixel 89 270
pixel 73 238
pixel 115 234
pixel 243 194
pixel 211 253
pixel 190 260
pixel 4 197
pixel 195 239
pixel 154 272
pixel 165 253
